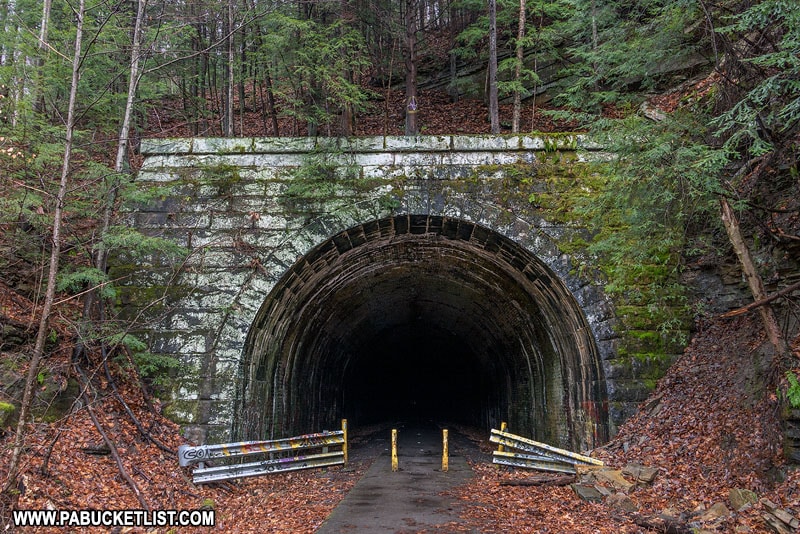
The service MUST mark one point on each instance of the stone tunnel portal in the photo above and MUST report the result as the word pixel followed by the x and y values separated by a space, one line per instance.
pixel 422 318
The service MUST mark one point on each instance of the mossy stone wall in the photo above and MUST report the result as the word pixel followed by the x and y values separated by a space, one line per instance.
pixel 249 209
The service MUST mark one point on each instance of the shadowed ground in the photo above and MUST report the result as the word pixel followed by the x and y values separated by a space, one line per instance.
pixel 409 500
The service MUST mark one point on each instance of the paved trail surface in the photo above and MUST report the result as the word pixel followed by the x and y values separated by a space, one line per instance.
pixel 409 500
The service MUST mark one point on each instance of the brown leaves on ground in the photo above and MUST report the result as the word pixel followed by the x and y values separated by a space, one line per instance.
pixel 491 507
pixel 708 428
pixel 437 115
pixel 80 478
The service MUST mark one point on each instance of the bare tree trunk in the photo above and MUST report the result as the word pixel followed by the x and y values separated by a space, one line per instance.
pixel 347 114
pixel 44 27
pixel 229 71
pixel 36 96
pixel 6 14
pixel 494 112
pixel 11 57
pixel 41 335
pixel 244 70
pixel 273 113
pixel 121 160
pixel 594 35
pixel 347 118
pixel 121 163
pixel 452 87
pixel 267 103
pixel 387 98
pixel 753 278
pixel 412 127
pixel 533 90
pixel 518 68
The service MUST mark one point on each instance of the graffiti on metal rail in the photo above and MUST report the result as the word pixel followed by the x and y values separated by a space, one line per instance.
pixel 188 455
pixel 312 444
pixel 192 454
pixel 266 467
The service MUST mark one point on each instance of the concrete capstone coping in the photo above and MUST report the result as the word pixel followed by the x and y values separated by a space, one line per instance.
pixel 389 143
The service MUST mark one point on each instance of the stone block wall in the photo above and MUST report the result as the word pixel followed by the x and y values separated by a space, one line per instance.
pixel 248 210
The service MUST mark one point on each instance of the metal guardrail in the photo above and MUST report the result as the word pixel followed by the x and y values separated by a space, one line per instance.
pixel 526 461
pixel 188 455
pixel 288 450
pixel 265 467
pixel 542 456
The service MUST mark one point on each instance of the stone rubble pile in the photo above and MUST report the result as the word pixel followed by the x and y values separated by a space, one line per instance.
pixel 613 487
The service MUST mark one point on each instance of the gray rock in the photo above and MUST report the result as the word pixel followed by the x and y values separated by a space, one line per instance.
pixel 717 511
pixel 621 502
pixel 587 493
pixel 741 498
pixel 640 473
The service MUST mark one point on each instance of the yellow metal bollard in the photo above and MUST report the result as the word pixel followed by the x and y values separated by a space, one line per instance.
pixel 394 450
pixel 445 451
pixel 344 446
pixel 500 448
pixel 503 428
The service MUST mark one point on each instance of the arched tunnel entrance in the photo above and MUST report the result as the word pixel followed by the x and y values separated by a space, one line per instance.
pixel 422 317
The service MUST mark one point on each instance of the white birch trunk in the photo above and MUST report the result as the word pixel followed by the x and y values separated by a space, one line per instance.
pixel 41 335
pixel 133 85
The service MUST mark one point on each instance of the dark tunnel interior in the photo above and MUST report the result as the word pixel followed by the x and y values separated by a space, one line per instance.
pixel 419 318
pixel 415 374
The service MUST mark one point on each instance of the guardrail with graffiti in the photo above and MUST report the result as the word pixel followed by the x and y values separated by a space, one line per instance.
pixel 298 452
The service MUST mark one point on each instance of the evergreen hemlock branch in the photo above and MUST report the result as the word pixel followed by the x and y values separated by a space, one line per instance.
pixel 621 50
pixel 311 62
pixel 769 110
pixel 79 279
pixel 154 367
pixel 321 175
pixel 137 245
pixel 793 391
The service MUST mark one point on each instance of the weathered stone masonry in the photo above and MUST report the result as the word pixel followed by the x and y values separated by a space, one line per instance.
pixel 375 277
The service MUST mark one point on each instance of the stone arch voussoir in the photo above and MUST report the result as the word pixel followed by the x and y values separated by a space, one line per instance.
pixel 580 364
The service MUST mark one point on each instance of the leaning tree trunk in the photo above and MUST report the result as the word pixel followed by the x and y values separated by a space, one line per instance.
pixel 753 279
pixel 121 163
pixel 41 335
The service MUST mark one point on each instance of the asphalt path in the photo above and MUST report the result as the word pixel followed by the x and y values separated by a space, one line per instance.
pixel 411 500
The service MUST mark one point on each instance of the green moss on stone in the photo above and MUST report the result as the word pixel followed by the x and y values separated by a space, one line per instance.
pixel 6 412
pixel 575 244
pixel 181 411
pixel 650 383
pixel 555 142
pixel 222 176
